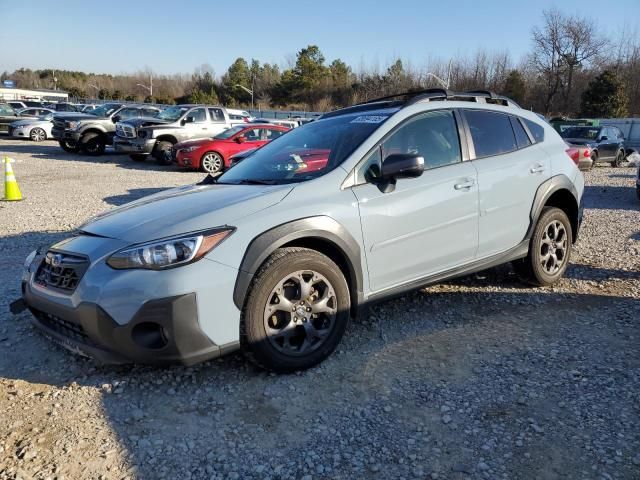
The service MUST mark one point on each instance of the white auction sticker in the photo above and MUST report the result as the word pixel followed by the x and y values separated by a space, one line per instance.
pixel 369 119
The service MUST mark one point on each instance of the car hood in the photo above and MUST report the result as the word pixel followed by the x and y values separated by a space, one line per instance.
pixel 76 117
pixel 145 122
pixel 183 210
pixel 193 143
pixel 581 141
pixel 21 123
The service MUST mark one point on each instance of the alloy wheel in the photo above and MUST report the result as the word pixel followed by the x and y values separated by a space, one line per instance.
pixel 38 135
pixel 211 163
pixel 300 313
pixel 553 247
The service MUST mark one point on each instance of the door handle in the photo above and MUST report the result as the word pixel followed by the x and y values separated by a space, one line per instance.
pixel 466 185
pixel 537 168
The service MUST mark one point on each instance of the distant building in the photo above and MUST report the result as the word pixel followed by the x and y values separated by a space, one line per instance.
pixel 35 94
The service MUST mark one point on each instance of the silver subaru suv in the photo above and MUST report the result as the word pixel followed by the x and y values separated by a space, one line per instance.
pixel 276 255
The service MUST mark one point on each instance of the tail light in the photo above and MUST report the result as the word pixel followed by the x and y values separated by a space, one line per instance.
pixel 574 154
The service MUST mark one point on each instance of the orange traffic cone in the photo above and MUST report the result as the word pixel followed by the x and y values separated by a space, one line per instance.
pixel 11 189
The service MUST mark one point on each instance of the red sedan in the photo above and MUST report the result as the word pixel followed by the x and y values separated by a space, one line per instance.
pixel 212 155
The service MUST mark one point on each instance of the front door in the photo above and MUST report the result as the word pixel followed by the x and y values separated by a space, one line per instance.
pixel 427 224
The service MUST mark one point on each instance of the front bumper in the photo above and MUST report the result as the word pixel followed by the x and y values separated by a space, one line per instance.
pixel 133 145
pixel 186 159
pixel 182 315
pixel 164 330
pixel 18 132
pixel 65 135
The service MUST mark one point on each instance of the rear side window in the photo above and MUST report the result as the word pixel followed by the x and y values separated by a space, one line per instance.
pixel 536 130
pixel 216 115
pixel 491 132
pixel 522 139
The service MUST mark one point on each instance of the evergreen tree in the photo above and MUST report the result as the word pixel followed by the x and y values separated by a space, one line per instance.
pixel 604 97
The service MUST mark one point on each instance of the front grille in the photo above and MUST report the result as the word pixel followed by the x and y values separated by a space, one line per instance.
pixel 125 130
pixel 70 330
pixel 61 271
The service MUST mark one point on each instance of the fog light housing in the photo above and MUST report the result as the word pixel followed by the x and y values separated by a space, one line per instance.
pixel 149 335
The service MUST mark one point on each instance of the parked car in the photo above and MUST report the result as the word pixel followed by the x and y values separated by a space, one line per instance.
pixel 213 155
pixel 156 137
pixel 581 156
pixel 630 128
pixel 7 116
pixel 606 143
pixel 89 108
pixel 277 255
pixel 238 116
pixel 63 107
pixel 16 105
pixel 37 129
pixel 91 132
pixel 34 112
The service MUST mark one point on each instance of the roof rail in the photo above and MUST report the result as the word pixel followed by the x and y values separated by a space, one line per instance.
pixel 430 92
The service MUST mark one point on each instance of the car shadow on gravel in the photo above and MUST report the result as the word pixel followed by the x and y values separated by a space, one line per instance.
pixel 608 197
pixel 486 356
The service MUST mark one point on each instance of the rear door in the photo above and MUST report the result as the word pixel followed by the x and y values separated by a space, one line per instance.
pixel 252 139
pixel 427 224
pixel 511 165
pixel 217 120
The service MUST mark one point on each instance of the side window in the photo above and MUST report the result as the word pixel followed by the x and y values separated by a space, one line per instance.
pixel 216 115
pixel 270 134
pixel 619 134
pixel 491 132
pixel 149 112
pixel 433 135
pixel 522 139
pixel 199 115
pixel 536 130
pixel 128 113
pixel 252 135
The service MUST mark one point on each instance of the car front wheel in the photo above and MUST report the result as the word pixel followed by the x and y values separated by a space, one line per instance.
pixel 211 162
pixel 296 312
pixel 69 146
pixel 37 134
pixel 549 249
pixel 619 159
pixel 93 144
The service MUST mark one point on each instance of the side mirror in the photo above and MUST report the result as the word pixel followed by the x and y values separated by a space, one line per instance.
pixel 603 138
pixel 240 139
pixel 402 165
pixel 115 118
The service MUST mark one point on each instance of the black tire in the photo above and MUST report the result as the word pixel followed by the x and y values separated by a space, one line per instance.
pixel 69 146
pixel 93 144
pixel 531 268
pixel 212 163
pixel 37 134
pixel 619 159
pixel 161 152
pixel 594 159
pixel 278 271
pixel 138 157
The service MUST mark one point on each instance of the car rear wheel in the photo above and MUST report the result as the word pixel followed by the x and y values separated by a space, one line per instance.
pixel 162 152
pixel 37 134
pixel 619 159
pixel 211 162
pixel 138 157
pixel 69 146
pixel 297 311
pixel 93 144
pixel 549 249
pixel 594 159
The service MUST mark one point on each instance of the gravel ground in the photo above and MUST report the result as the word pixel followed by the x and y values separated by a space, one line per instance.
pixel 479 378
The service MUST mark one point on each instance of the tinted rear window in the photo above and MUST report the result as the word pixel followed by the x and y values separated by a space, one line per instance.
pixel 536 130
pixel 491 132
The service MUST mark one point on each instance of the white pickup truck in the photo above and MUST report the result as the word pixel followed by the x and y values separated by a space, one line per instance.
pixel 141 137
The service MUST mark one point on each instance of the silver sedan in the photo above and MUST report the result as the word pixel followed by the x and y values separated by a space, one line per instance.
pixel 36 129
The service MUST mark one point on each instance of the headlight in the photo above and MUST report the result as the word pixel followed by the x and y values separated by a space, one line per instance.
pixel 169 252
pixel 189 149
pixel 72 125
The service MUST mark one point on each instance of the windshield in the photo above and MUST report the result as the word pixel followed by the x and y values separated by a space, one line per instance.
pixel 104 110
pixel 306 152
pixel 6 110
pixel 228 133
pixel 580 132
pixel 172 113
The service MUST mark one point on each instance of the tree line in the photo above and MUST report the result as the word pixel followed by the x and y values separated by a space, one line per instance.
pixel 572 70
